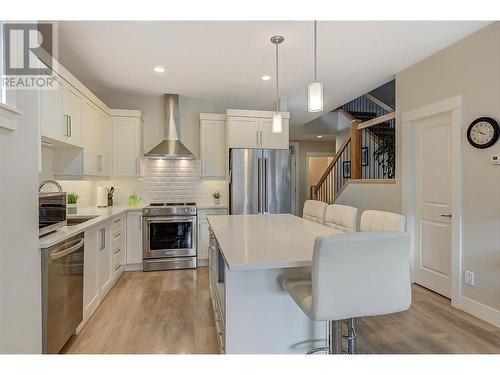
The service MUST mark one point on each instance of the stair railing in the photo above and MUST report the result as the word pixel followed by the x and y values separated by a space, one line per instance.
pixel 354 155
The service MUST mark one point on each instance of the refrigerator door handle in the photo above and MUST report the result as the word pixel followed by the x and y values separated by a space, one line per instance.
pixel 266 207
pixel 259 195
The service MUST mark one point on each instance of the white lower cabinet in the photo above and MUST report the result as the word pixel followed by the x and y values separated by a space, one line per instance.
pixel 90 273
pixel 105 257
pixel 119 246
pixel 134 239
pixel 203 235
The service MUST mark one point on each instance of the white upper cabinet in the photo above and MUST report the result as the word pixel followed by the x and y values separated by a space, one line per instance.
pixel 127 149
pixel 72 115
pixel 243 132
pixel 51 112
pixel 253 129
pixel 61 114
pixel 213 145
pixel 95 125
pixel 273 140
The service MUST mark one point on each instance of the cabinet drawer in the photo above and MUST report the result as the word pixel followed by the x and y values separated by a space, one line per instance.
pixel 118 270
pixel 118 257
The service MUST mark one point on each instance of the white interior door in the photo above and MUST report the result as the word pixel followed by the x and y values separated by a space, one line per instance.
pixel 433 203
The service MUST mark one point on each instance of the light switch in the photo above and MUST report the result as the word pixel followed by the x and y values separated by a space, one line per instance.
pixel 495 158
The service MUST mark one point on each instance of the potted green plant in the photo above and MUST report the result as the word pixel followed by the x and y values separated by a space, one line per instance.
pixel 72 201
pixel 216 197
pixel 134 200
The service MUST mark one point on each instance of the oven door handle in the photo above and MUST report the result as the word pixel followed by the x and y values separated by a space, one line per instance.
pixel 170 219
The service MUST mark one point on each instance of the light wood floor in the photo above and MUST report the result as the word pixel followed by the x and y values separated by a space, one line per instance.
pixel 170 312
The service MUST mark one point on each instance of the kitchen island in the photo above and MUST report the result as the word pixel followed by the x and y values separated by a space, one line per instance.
pixel 248 255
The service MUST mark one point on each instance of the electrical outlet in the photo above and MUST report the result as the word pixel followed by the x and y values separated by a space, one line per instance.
pixel 469 278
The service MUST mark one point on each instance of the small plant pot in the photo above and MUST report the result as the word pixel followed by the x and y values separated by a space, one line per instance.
pixel 217 201
pixel 71 207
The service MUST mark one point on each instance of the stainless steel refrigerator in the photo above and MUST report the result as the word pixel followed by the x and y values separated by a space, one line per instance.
pixel 259 181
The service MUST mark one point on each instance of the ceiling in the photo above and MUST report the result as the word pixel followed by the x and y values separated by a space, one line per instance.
pixel 225 60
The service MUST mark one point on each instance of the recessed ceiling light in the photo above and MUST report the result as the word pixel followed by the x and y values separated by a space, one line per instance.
pixel 265 78
pixel 319 136
pixel 159 69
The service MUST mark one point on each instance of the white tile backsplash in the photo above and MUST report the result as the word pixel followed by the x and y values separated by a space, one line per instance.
pixel 164 180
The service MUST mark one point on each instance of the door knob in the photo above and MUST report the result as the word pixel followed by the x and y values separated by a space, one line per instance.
pixel 446 215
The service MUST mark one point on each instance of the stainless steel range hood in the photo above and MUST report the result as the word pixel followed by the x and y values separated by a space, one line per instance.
pixel 171 147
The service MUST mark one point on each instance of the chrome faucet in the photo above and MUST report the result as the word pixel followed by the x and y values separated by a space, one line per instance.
pixel 43 183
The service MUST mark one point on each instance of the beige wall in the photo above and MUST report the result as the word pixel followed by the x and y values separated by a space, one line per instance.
pixel 364 197
pixel 470 68
pixel 304 148
pixel 317 166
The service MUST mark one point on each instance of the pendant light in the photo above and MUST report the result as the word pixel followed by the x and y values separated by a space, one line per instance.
pixel 277 123
pixel 315 89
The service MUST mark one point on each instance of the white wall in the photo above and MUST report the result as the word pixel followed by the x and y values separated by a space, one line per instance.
pixel 20 261
pixel 470 68
pixel 325 124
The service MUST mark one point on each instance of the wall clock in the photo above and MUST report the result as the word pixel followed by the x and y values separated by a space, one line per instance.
pixel 483 132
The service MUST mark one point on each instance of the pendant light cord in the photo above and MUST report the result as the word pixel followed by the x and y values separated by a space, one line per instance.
pixel 315 55
pixel 277 81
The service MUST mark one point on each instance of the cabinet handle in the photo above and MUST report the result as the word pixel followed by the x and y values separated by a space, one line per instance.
pixel 66 131
pixel 70 127
pixel 103 238
pixel 257 135
pixel 99 161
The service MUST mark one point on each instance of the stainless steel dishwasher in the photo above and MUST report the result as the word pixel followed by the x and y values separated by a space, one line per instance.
pixel 62 292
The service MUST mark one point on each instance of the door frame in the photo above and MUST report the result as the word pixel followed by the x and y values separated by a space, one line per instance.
pixel 296 146
pixel 323 154
pixel 453 106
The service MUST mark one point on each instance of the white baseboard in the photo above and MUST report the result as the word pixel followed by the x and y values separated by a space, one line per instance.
pixel 202 262
pixel 481 311
pixel 133 267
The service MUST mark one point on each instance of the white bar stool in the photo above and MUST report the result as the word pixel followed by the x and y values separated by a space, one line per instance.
pixel 381 221
pixel 342 218
pixel 314 211
pixel 354 275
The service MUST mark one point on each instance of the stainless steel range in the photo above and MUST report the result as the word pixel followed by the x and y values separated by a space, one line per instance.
pixel 169 236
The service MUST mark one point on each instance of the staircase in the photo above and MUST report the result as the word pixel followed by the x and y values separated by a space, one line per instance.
pixel 368 153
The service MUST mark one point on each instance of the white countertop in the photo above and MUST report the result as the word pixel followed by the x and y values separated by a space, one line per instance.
pixel 104 214
pixel 251 242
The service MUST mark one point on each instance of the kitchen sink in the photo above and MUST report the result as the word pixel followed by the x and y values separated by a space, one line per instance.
pixel 72 221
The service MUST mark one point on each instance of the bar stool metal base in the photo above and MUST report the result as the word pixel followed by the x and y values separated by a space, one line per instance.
pixel 334 339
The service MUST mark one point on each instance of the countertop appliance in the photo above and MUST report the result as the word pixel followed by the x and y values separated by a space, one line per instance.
pixel 51 212
pixel 102 196
pixel 259 181
pixel 62 292
pixel 169 236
